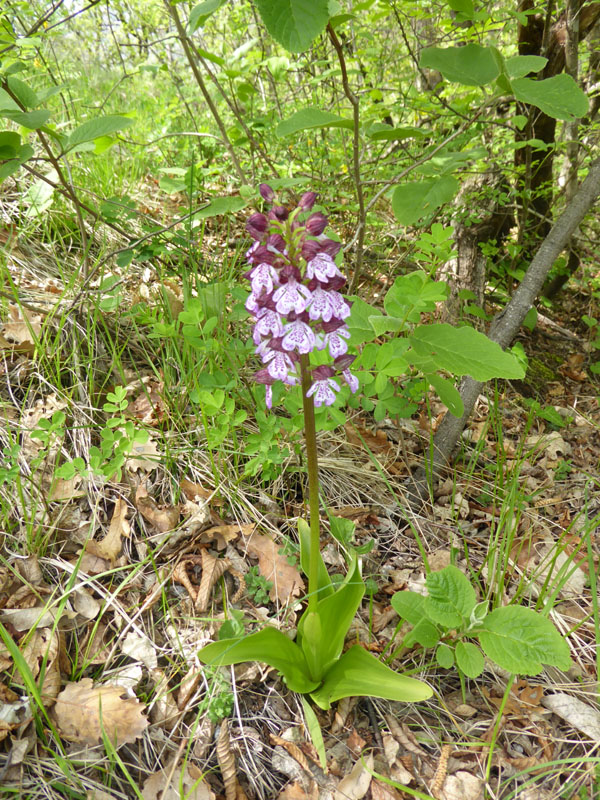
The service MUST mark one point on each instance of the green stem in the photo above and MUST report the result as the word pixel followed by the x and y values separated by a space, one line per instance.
pixel 310 437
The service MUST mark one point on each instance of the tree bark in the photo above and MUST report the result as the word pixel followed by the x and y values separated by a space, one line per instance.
pixel 506 325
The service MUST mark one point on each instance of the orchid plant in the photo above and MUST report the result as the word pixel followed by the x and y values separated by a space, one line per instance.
pixel 298 311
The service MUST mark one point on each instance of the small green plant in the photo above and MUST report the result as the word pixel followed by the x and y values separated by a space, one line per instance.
pixel 118 438
pixel 258 586
pixel 218 702
pixel 516 638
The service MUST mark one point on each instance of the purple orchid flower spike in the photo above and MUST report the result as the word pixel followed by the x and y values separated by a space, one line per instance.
pixel 296 300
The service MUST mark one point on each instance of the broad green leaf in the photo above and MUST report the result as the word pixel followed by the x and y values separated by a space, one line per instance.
pixel 558 97
pixel 28 119
pixel 359 323
pixel 325 587
pixel 409 606
pixel 449 161
pixel 462 6
pixel 10 143
pixel 307 118
pixel 413 294
pixel 444 656
pixel 359 674
pixel 469 658
pixel 221 205
pixel 294 23
pixel 40 195
pixel 200 13
pixel 390 360
pixel 24 153
pixel 520 640
pixel 385 324
pixel 472 65
pixel 448 394
pixel 268 646
pixel 519 66
pixel 417 199
pixel 379 131
pixel 95 128
pixel 464 351
pixel 424 633
pixel 315 732
pixel 450 599
pixel 341 529
pixel 335 614
pixel 24 93
pixel 7 103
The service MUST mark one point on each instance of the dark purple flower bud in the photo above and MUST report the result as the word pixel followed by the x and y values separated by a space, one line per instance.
pixel 335 283
pixel 330 247
pixel 263 255
pixel 279 212
pixel 343 362
pixel 316 224
pixel 276 243
pixel 263 376
pixel 307 201
pixel 332 325
pixel 310 249
pixel 257 226
pixel 322 372
pixel 266 192
pixel 290 272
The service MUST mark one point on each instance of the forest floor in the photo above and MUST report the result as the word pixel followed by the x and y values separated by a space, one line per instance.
pixel 108 589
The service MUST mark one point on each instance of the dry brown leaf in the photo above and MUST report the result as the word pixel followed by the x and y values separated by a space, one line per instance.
pixel 355 785
pixel 293 749
pixel 140 648
pixel 377 443
pixel 212 569
pixel 24 327
pixel 383 791
pixel 61 489
pixel 24 619
pixel 355 743
pixel 296 791
pixel 287 582
pixel 143 456
pixel 149 407
pixel 110 547
pixel 462 786
pixel 222 534
pixel 185 781
pixel 83 711
pixel 193 491
pixel 441 771
pixel 233 791
pixel 578 714
pixel 163 519
pixel 163 711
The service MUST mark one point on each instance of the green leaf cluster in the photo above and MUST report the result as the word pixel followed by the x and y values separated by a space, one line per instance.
pixel 315 664
pixel 516 638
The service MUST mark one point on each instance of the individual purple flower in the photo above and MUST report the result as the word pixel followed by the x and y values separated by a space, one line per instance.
pixel 323 387
pixel 268 323
pixel 334 340
pixel 351 380
pixel 322 267
pixel 298 336
pixel 263 276
pixel 341 309
pixel 321 305
pixel 292 296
